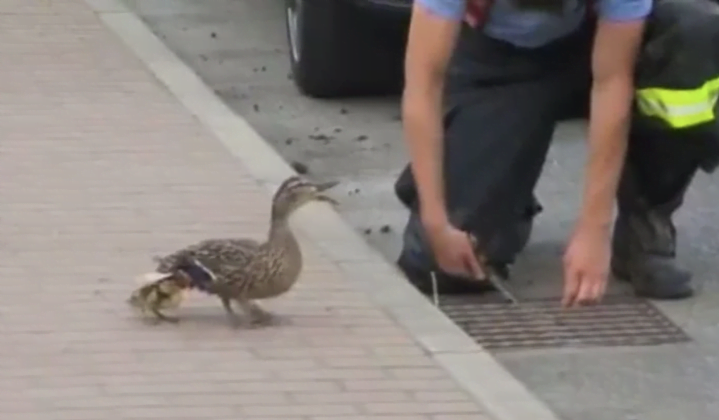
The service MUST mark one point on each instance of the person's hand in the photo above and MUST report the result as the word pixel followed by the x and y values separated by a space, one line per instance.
pixel 454 251
pixel 586 266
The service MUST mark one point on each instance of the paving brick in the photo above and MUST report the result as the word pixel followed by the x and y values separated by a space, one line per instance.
pixel 374 417
pixel 334 373
pixel 359 397
pixel 397 384
pixel 327 409
pixel 100 169
pixel 439 396
pixel 422 407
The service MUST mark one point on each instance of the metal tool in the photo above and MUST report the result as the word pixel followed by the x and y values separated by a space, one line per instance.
pixel 501 288
pixel 435 289
pixel 490 276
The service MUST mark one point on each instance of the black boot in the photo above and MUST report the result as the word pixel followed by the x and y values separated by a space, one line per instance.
pixel 416 262
pixel 644 243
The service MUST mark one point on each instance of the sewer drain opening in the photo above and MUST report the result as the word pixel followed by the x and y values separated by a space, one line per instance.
pixel 535 324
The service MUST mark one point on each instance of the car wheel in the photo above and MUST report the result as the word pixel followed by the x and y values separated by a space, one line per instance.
pixel 334 52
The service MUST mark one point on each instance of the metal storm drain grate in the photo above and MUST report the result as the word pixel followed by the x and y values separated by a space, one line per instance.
pixel 618 321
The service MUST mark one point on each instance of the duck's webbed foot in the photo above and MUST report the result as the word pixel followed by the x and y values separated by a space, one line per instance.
pixel 234 320
pixel 256 316
pixel 160 317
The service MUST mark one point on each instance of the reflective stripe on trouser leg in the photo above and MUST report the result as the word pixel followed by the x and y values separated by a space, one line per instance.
pixel 680 108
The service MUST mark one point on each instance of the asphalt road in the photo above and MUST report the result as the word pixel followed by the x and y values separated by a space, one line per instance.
pixel 239 48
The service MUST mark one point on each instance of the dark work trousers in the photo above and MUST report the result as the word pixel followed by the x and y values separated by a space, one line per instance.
pixel 502 105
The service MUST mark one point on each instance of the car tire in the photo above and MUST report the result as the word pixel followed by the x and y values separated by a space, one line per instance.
pixel 335 52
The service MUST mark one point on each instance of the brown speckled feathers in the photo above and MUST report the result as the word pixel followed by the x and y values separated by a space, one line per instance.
pixel 243 270
pixel 243 267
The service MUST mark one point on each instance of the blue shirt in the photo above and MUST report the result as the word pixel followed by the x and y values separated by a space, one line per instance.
pixel 532 29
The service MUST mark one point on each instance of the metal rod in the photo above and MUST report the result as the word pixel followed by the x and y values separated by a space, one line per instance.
pixel 435 289
pixel 502 289
pixel 489 276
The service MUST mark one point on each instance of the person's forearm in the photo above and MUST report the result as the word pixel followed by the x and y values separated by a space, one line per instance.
pixel 422 119
pixel 608 129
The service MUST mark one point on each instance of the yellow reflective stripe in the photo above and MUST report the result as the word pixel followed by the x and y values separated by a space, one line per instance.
pixel 680 108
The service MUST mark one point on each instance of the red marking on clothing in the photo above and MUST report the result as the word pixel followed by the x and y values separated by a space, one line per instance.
pixel 477 11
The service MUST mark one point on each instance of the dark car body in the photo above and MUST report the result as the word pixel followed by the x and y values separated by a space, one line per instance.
pixel 348 47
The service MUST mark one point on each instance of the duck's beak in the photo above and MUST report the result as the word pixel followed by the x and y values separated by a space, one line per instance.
pixel 324 187
pixel 327 185
pixel 327 199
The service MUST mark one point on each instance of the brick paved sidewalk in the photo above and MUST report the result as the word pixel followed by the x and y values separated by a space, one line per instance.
pixel 100 168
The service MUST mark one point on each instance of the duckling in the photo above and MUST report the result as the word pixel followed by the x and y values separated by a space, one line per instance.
pixel 159 293
pixel 162 291
pixel 245 270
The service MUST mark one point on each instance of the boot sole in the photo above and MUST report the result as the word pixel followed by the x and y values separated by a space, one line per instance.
pixel 626 278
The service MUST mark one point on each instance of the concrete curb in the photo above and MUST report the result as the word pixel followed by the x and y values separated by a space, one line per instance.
pixel 502 396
